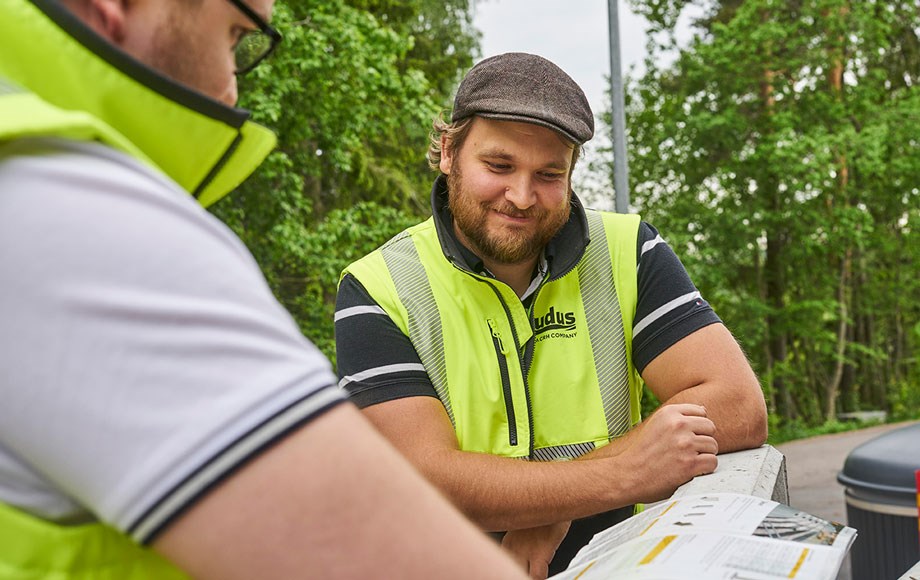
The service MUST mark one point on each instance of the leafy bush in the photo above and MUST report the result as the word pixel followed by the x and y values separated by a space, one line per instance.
pixel 324 251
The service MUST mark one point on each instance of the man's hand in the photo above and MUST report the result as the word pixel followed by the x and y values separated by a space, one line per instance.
pixel 671 447
pixel 534 548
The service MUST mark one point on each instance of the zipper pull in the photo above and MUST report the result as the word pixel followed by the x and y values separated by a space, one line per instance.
pixel 497 335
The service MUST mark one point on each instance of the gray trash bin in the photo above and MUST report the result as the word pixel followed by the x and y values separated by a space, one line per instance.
pixel 881 497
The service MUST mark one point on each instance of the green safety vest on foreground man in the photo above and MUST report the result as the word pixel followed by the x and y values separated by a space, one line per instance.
pixel 59 79
pixel 564 365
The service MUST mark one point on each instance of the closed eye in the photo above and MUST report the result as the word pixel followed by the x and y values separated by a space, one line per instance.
pixel 497 167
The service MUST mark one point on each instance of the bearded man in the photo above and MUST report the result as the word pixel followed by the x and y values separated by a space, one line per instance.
pixel 512 332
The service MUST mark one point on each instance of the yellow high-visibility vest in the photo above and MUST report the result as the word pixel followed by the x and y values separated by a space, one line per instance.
pixel 550 382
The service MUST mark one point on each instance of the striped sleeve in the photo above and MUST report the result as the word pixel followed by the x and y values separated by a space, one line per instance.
pixel 162 364
pixel 669 305
pixel 376 361
pixel 157 517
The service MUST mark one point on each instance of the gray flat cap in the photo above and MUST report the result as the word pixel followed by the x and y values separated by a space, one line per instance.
pixel 525 87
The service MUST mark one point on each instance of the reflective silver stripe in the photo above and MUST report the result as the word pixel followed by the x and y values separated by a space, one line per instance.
pixel 355 310
pixel 377 371
pixel 605 327
pixel 662 310
pixel 415 293
pixel 562 452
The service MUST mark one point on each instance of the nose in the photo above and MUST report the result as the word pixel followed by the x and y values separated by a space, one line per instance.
pixel 521 192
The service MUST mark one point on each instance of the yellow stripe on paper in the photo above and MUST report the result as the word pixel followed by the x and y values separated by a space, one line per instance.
pixel 649 526
pixel 667 509
pixel 664 543
pixel 798 564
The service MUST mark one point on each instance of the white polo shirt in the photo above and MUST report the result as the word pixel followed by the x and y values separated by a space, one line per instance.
pixel 142 355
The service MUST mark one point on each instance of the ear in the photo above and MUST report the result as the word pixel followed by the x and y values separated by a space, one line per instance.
pixel 447 155
pixel 107 18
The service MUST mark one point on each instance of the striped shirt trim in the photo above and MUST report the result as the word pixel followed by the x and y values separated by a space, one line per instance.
pixel 160 514
pixel 664 309
pixel 356 310
pixel 647 246
pixel 377 371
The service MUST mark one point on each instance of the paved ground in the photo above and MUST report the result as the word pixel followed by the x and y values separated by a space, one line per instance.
pixel 812 465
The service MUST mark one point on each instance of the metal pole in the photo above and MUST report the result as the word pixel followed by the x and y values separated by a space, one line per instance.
pixel 620 165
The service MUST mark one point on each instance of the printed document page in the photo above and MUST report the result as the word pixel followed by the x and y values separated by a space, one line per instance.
pixel 715 536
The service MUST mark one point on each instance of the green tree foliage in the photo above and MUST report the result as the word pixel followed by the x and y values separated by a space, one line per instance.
pixel 342 237
pixel 351 93
pixel 778 153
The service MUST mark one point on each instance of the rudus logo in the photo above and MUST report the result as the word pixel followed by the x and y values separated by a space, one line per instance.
pixel 553 320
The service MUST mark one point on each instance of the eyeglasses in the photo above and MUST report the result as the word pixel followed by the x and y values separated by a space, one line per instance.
pixel 255 45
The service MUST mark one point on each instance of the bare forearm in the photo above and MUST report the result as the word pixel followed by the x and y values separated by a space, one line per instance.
pixel 332 500
pixel 670 448
pixel 499 493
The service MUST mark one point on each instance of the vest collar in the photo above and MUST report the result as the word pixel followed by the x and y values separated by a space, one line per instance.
pixel 205 146
pixel 562 253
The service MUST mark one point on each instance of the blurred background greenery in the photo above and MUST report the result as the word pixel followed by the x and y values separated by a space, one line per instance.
pixel 777 152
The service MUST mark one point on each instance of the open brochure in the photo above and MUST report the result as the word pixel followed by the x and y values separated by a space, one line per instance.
pixel 715 536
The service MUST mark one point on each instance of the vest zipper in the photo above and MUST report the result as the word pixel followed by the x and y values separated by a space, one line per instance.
pixel 501 352
pixel 520 360
pixel 503 364
pixel 528 348
pixel 527 359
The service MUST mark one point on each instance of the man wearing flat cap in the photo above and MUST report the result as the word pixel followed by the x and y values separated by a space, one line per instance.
pixel 511 332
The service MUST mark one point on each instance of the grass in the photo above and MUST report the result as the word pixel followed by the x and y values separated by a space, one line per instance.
pixel 798 430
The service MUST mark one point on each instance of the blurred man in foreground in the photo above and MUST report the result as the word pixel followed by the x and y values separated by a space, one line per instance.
pixel 153 391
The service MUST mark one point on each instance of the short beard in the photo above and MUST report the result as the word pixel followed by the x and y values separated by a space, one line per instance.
pixel 515 246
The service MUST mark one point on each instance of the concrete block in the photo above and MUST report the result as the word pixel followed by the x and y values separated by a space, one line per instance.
pixel 759 472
